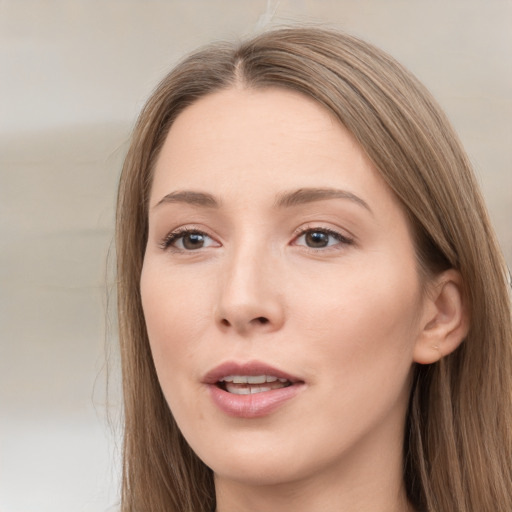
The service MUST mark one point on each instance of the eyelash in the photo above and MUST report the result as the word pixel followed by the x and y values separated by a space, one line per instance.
pixel 341 239
pixel 171 238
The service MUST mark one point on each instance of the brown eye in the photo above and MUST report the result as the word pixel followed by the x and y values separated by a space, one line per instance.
pixel 322 239
pixel 188 240
pixel 316 239
pixel 193 241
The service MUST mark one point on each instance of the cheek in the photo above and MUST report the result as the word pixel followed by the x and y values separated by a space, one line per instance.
pixel 363 322
pixel 175 322
pixel 361 338
pixel 174 312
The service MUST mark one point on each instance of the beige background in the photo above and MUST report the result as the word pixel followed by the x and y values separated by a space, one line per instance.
pixel 73 76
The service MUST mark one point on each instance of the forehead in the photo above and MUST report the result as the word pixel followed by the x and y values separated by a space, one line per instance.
pixel 246 143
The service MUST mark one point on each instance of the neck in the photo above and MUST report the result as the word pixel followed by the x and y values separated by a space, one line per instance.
pixel 303 498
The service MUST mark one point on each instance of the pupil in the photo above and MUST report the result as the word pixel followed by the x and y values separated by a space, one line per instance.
pixel 317 239
pixel 193 241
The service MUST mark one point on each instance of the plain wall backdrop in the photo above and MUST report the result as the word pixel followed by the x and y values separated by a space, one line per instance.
pixel 73 76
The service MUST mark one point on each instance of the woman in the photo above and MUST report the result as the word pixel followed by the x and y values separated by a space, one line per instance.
pixel 313 307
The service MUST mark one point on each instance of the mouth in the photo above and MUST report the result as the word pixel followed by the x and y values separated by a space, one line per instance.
pixel 251 384
pixel 251 390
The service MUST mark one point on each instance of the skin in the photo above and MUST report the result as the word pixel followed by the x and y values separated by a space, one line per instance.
pixel 348 319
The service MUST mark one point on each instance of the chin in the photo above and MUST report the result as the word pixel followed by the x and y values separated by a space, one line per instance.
pixel 253 458
pixel 258 472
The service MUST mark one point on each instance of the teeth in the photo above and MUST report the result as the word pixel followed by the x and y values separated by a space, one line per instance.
pixel 251 384
pixel 251 390
pixel 237 391
pixel 251 379
pixel 256 379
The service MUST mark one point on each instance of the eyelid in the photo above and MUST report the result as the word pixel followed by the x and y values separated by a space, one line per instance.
pixel 343 239
pixel 176 234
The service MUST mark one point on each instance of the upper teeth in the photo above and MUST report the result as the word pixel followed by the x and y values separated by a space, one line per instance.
pixel 251 379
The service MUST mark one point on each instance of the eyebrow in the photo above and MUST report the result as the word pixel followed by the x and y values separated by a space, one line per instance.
pixel 190 197
pixel 310 195
pixel 284 200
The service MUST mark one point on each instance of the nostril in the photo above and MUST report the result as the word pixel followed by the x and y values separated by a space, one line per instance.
pixel 260 320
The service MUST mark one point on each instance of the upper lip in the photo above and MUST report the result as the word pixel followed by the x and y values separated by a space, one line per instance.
pixel 249 368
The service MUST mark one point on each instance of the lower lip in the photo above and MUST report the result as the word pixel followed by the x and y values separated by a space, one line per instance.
pixel 255 405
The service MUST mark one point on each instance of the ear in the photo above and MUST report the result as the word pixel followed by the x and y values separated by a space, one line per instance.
pixel 445 319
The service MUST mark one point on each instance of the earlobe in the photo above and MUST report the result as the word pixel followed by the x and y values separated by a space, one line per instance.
pixel 445 319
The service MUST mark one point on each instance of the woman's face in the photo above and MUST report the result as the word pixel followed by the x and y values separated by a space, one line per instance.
pixel 280 291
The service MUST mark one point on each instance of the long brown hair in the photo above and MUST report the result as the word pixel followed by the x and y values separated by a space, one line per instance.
pixel 458 443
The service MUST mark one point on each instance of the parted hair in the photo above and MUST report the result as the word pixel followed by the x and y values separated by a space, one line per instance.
pixel 457 453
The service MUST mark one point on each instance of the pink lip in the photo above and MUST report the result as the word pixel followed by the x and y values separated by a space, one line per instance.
pixel 255 405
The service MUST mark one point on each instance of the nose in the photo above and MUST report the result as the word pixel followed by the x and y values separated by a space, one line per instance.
pixel 251 298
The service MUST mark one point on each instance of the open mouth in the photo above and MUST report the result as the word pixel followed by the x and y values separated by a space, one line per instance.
pixel 252 389
pixel 251 384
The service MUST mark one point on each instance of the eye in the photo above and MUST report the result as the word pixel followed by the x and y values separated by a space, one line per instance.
pixel 188 240
pixel 321 238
